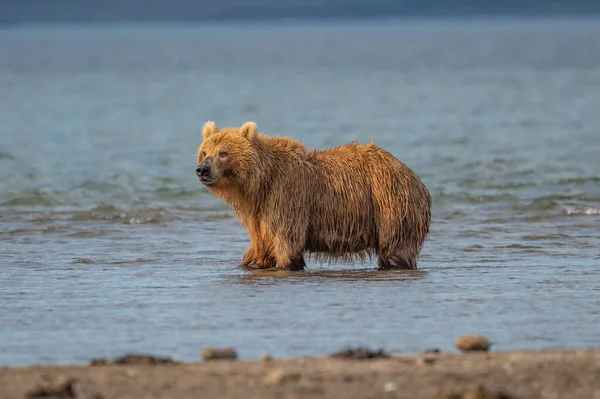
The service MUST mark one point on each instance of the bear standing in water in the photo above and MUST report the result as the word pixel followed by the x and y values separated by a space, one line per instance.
pixel 339 203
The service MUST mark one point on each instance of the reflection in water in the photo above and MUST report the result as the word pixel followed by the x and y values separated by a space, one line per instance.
pixel 348 275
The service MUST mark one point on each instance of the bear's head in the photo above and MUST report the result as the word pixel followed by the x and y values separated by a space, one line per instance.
pixel 226 156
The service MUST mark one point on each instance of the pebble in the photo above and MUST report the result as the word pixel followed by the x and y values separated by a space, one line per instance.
pixel 131 373
pixel 477 392
pixel 427 359
pixel 210 353
pixel 470 343
pixel 279 376
pixel 134 359
pixel 62 387
pixel 390 387
pixel 360 353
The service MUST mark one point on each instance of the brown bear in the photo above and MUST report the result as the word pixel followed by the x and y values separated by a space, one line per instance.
pixel 339 203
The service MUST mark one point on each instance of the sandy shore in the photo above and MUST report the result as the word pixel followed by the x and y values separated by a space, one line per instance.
pixel 537 374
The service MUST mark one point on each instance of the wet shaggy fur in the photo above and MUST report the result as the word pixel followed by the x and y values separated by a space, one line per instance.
pixel 339 203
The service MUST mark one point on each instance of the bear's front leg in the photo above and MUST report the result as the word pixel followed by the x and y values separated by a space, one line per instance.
pixel 256 259
pixel 258 255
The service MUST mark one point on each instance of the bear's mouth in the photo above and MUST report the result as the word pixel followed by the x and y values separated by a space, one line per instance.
pixel 205 181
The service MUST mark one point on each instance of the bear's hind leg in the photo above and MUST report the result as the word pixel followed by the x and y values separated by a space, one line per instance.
pixel 294 264
pixel 288 259
pixel 395 250
pixel 289 238
pixel 396 259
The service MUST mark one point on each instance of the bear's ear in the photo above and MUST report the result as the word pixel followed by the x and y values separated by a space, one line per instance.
pixel 209 129
pixel 248 130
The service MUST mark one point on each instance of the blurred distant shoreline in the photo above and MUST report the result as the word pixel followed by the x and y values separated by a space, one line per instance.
pixel 210 11
pixel 367 21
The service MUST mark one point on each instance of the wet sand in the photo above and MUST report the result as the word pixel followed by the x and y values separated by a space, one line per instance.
pixel 521 374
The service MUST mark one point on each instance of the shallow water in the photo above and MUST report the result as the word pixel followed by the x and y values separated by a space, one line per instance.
pixel 108 244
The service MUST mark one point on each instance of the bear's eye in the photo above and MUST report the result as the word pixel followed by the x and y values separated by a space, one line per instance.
pixel 223 154
pixel 203 154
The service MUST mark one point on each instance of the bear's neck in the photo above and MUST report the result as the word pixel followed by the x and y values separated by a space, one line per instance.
pixel 277 158
pixel 237 197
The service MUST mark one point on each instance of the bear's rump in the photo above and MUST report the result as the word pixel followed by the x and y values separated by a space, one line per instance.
pixel 357 193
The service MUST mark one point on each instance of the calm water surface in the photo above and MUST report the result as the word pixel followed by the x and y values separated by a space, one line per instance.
pixel 108 244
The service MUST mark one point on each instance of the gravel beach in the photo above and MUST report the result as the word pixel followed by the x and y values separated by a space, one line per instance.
pixel 520 374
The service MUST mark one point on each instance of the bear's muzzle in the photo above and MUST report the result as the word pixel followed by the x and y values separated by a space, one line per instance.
pixel 203 171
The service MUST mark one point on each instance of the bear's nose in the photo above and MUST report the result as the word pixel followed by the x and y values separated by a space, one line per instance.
pixel 202 171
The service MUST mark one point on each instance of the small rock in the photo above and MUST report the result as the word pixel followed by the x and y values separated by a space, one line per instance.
pixel 99 362
pixel 428 359
pixel 390 387
pixel 54 379
pixel 134 359
pixel 280 376
pixel 360 353
pixel 83 391
pixel 508 368
pixel 210 353
pixel 131 373
pixel 59 388
pixel 478 392
pixel 446 395
pixel 63 388
pixel 471 343
pixel 302 362
pixel 265 357
pixel 432 350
